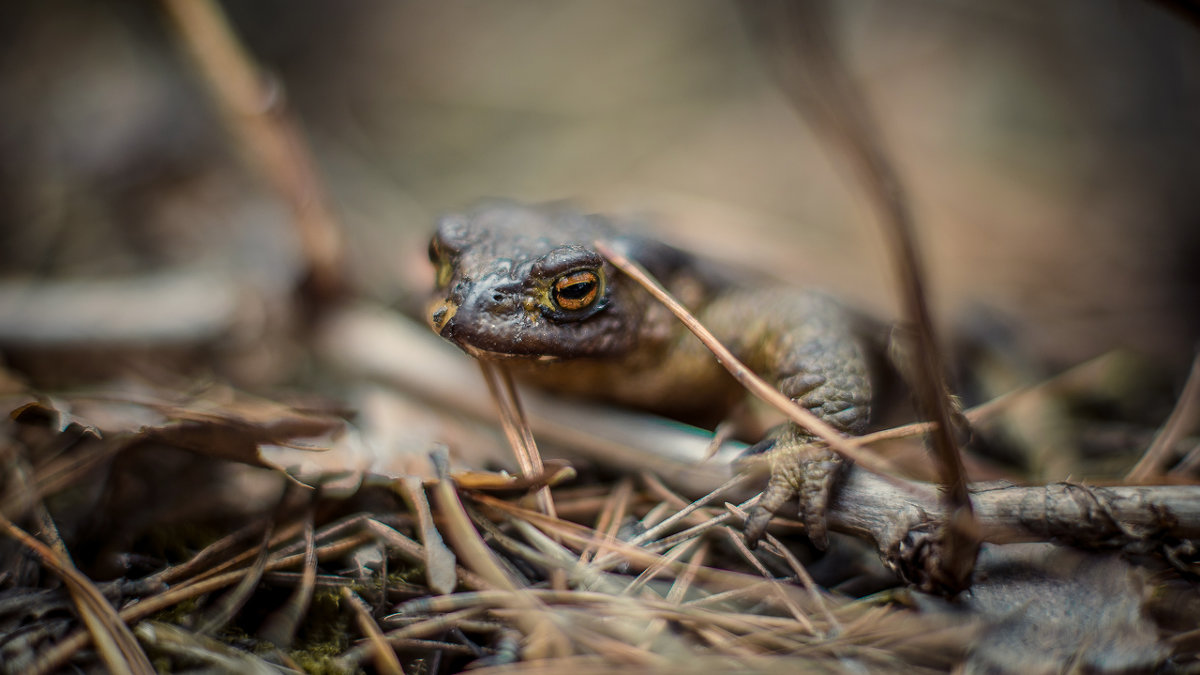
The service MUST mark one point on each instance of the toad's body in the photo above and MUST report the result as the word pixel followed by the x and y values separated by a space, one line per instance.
pixel 524 283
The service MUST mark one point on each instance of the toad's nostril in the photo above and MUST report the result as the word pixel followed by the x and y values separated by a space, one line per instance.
pixel 440 314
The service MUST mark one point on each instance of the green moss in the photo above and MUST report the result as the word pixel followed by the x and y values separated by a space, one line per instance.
pixel 324 635
pixel 409 575
pixel 319 664
pixel 177 613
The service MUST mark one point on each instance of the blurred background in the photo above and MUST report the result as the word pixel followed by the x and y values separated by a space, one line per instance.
pixel 1051 151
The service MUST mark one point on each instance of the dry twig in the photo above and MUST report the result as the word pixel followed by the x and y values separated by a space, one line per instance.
pixel 1183 419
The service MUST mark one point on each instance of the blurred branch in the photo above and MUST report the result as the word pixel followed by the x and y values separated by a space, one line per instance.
pixel 1188 10
pixel 1181 421
pixel 170 308
pixel 812 75
pixel 254 112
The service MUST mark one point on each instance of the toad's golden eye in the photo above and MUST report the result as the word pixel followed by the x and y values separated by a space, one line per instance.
pixel 576 290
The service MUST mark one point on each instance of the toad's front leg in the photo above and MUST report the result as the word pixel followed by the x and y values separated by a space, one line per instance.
pixel 807 345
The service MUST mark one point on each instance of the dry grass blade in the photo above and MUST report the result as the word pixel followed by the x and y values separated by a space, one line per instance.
pixel 776 588
pixel 415 552
pixel 280 627
pixel 516 427
pixel 224 611
pixel 419 628
pixel 802 574
pixel 216 554
pixel 684 581
pixel 1181 420
pixel 439 560
pixel 589 599
pixel 194 571
pixel 608 603
pixel 686 511
pixel 50 534
pixel 639 557
pixel 1189 464
pixel 549 553
pixel 54 658
pixel 559 530
pixel 544 639
pixel 118 648
pixel 618 651
pixel 384 655
pixel 471 550
pixel 730 596
pixel 692 532
pixel 663 563
pixel 218 656
pixel 700 522
pixel 615 507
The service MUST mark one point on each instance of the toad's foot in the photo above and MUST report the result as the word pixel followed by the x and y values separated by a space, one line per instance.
pixel 801 467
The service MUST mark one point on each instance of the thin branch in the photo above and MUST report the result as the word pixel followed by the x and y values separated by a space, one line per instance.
pixel 1083 515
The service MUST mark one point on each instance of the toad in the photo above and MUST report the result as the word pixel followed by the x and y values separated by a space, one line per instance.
pixel 523 283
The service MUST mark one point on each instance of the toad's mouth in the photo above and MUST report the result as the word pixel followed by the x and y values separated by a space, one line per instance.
pixel 486 355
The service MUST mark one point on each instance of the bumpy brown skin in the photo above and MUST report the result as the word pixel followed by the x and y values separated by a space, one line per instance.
pixel 500 263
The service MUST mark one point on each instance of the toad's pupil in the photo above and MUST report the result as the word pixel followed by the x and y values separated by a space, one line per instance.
pixel 577 291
